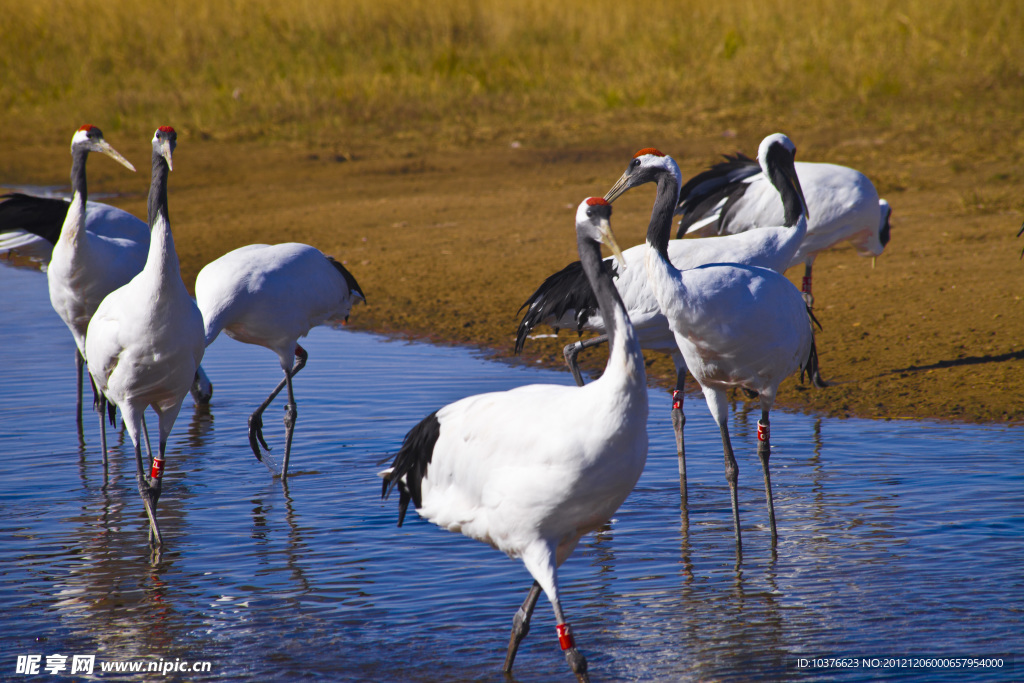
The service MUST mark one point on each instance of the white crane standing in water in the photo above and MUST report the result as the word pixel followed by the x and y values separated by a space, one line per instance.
pixel 271 295
pixel 531 470
pixel 735 325
pixel 85 266
pixel 145 341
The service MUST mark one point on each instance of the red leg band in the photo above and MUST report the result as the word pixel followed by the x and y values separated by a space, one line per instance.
pixel 762 431
pixel 677 400
pixel 158 469
pixel 806 288
pixel 565 637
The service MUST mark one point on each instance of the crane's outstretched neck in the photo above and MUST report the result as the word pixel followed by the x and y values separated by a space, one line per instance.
pixel 622 341
pixel 74 221
pixel 162 259
pixel 79 187
pixel 660 227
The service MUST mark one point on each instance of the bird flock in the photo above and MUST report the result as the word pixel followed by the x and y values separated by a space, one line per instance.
pixel 528 471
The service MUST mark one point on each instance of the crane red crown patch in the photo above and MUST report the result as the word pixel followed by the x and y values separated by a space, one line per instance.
pixel 87 126
pixel 648 150
pixel 165 129
pixel 597 201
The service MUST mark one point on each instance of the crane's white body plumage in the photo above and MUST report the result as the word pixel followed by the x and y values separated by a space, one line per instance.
pixel 146 339
pixel 842 205
pixel 85 267
pixel 272 295
pixel 735 326
pixel 540 465
pixel 770 248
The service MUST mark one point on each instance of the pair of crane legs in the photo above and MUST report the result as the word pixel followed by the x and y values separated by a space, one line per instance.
pixel 571 352
pixel 521 627
pixel 150 486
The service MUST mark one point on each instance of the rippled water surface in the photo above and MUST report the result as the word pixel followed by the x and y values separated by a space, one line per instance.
pixel 897 539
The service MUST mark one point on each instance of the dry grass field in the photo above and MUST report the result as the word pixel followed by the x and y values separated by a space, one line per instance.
pixel 437 147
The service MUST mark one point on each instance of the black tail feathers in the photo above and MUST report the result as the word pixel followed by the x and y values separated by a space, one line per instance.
pixel 350 279
pixel 410 464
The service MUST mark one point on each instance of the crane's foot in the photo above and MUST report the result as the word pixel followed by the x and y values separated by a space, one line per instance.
pixel 818 381
pixel 150 496
pixel 259 445
pixel 577 662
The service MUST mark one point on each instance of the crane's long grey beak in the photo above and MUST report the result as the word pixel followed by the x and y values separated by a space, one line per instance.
pixel 104 147
pixel 165 152
pixel 608 239
pixel 618 189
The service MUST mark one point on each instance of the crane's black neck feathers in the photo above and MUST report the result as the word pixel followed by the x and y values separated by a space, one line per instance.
pixel 78 184
pixel 157 203
pixel 410 464
pixel 602 288
pixel 564 291
pixel 41 216
pixel 776 158
pixel 660 227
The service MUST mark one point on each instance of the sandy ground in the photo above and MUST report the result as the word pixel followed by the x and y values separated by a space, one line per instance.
pixel 448 243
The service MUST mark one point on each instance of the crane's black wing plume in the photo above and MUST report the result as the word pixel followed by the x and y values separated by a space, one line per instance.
pixel 703 192
pixel 42 216
pixel 564 291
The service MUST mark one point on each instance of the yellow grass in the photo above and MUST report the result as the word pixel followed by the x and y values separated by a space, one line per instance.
pixel 314 70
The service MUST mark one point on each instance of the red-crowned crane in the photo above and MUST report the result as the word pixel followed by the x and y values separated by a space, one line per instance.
pixel 565 299
pixel 736 325
pixel 146 340
pixel 531 470
pixel 271 295
pixel 84 267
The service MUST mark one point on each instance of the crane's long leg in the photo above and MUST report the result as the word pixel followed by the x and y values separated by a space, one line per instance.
pixel 718 404
pixel 291 411
pixel 572 350
pixel 678 422
pixel 103 431
pixel 150 492
pixel 577 662
pixel 256 419
pixel 521 625
pixel 764 452
pixel 79 371
pixel 731 476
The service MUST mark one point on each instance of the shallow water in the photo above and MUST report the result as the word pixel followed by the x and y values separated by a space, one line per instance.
pixel 897 539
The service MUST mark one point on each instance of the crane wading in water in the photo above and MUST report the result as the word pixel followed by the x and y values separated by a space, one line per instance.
pixel 531 470
pixel 146 339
